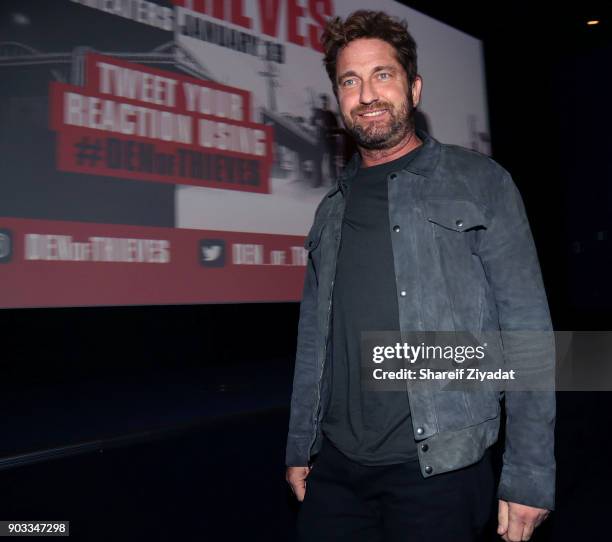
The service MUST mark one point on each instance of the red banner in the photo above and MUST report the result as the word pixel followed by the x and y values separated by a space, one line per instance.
pixel 55 263
pixel 135 122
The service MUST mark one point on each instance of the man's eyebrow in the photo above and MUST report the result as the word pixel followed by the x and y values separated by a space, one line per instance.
pixel 387 67
pixel 346 74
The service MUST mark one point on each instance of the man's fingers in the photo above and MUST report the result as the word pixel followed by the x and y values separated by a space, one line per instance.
pixel 515 528
pixel 298 489
pixel 502 517
pixel 296 477
pixel 528 531
pixel 300 492
pixel 530 526
pixel 522 521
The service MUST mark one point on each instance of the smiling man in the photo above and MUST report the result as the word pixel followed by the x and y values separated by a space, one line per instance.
pixel 376 104
pixel 415 236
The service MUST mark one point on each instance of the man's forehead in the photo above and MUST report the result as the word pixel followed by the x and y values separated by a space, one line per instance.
pixel 366 53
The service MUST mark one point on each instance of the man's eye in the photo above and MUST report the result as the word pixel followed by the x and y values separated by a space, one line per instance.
pixel 384 75
pixel 347 82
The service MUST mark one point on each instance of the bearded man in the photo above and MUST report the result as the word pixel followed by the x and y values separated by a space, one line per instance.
pixel 416 235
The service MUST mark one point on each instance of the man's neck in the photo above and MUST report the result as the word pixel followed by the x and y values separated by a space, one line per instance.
pixel 375 157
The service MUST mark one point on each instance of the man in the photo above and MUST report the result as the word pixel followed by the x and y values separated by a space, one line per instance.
pixel 419 236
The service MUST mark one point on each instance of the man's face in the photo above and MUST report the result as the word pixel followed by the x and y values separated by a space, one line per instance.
pixel 373 94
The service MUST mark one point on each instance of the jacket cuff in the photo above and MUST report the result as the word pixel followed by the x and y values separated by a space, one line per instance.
pixel 525 485
pixel 298 451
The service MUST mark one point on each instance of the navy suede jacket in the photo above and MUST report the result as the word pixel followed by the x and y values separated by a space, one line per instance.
pixel 464 259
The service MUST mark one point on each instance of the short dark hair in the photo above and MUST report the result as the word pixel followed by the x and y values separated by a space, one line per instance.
pixel 368 24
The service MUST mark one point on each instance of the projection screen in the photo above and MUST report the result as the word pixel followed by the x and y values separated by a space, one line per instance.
pixel 175 152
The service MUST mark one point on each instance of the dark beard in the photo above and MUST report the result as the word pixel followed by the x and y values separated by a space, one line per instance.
pixel 374 138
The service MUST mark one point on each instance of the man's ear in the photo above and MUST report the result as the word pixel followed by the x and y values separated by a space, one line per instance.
pixel 416 90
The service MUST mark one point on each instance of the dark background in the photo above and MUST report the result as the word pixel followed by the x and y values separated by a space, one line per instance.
pixel 164 423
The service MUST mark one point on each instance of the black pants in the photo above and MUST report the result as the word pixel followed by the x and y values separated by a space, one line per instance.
pixel 347 501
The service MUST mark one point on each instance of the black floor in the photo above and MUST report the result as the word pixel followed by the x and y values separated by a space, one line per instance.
pixel 224 481
pixel 221 475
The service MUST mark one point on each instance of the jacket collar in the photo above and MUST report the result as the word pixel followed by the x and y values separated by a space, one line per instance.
pixel 424 162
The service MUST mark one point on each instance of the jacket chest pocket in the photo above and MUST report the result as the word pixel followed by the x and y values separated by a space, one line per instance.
pixel 459 216
pixel 456 226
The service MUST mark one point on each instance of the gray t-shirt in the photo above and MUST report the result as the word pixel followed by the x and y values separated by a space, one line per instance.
pixel 370 427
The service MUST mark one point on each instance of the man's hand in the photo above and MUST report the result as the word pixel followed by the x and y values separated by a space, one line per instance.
pixel 296 478
pixel 516 522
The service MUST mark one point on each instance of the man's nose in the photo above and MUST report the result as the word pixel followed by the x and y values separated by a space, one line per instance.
pixel 368 93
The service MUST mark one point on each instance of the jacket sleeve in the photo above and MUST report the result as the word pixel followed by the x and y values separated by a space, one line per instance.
pixel 303 398
pixel 511 264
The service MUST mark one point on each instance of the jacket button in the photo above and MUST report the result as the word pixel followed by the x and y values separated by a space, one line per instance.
pixel 459 223
pixel 428 469
pixel 403 293
pixel 420 430
pixel 393 176
pixel 396 228
pixel 424 447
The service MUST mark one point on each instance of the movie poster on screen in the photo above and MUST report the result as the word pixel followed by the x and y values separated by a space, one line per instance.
pixel 167 152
